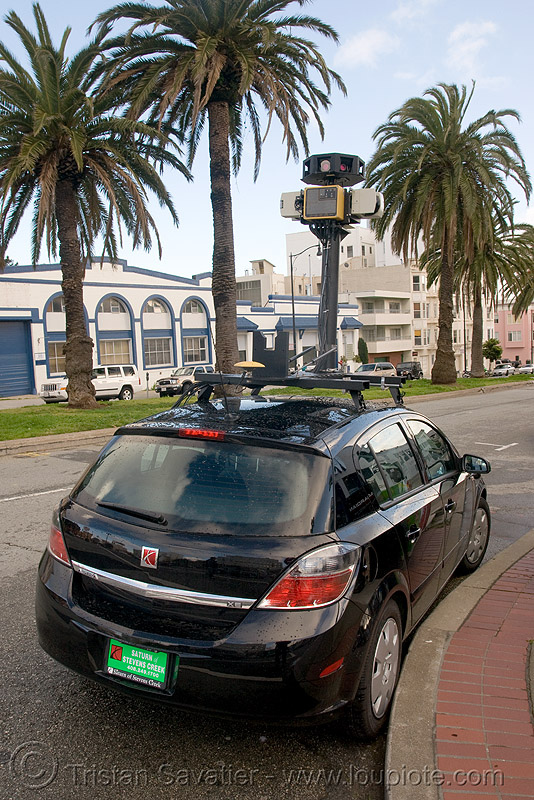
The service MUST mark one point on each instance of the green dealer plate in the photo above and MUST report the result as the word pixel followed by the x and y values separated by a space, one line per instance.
pixel 138 665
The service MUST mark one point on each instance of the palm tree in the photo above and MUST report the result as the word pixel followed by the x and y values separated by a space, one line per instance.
pixel 495 269
pixel 86 169
pixel 442 181
pixel 217 61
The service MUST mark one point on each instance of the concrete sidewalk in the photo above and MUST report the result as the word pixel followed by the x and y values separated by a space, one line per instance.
pixel 461 726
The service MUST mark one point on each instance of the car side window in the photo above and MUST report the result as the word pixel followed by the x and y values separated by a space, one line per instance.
pixel 114 372
pixel 436 452
pixel 371 473
pixel 354 499
pixel 98 372
pixel 128 370
pixel 396 460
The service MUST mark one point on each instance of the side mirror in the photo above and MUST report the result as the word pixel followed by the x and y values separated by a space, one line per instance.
pixel 476 465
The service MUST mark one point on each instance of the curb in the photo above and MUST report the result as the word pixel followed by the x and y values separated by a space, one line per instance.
pixel 410 740
pixel 13 447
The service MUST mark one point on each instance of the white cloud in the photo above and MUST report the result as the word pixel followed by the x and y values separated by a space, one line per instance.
pixel 411 9
pixel 465 44
pixel 366 48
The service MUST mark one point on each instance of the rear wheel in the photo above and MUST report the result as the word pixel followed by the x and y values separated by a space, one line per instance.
pixel 478 538
pixel 126 393
pixel 369 710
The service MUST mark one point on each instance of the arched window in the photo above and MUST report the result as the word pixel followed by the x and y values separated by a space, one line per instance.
pixel 154 306
pixel 193 307
pixel 56 306
pixel 112 305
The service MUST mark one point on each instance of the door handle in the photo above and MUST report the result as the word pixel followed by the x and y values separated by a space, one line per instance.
pixel 413 534
pixel 450 505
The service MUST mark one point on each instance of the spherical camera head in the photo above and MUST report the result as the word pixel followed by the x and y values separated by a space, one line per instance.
pixel 333 169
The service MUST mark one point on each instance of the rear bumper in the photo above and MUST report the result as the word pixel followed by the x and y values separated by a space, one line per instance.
pixel 268 667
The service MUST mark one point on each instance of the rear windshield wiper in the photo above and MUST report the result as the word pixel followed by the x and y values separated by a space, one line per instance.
pixel 134 512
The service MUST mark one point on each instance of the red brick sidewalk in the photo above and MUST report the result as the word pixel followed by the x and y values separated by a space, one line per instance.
pixel 484 728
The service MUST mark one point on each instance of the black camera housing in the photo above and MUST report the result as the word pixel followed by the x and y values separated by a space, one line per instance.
pixel 333 169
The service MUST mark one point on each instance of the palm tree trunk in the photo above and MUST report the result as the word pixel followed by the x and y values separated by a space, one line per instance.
pixel 477 360
pixel 79 346
pixel 444 369
pixel 223 282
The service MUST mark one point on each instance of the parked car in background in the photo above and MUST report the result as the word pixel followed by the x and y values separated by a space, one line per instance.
pixel 264 557
pixel 412 370
pixel 526 369
pixel 382 368
pixel 503 370
pixel 119 381
pixel 180 380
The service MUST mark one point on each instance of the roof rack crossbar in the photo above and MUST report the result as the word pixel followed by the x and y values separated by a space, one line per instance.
pixel 345 382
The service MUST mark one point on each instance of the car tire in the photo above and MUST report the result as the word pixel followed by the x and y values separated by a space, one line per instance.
pixel 478 539
pixel 370 708
pixel 186 386
pixel 126 393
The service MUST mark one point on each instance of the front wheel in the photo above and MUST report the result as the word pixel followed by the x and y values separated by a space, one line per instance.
pixel 126 393
pixel 478 538
pixel 369 710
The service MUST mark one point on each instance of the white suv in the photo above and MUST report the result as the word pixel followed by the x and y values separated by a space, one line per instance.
pixel 117 381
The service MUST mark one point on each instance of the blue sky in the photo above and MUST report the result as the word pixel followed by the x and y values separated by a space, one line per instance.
pixel 389 51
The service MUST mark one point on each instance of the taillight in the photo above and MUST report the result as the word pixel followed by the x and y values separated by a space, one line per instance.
pixel 56 543
pixel 317 579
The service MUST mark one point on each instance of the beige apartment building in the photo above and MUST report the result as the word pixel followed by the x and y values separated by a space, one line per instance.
pixel 392 300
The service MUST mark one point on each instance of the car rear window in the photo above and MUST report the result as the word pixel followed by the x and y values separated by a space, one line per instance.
pixel 213 486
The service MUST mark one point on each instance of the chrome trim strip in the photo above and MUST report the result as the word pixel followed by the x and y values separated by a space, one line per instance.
pixel 151 590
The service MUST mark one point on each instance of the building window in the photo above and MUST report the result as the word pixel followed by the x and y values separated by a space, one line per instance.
pixel 157 352
pixel 56 306
pixel 193 307
pixel 510 319
pixel 417 337
pixel 194 348
pixel 394 308
pixel 416 283
pixel 367 307
pixel 455 337
pixel 56 357
pixel 514 336
pixel 155 307
pixel 112 305
pixel 115 351
pixel 370 250
pixel 363 249
pixel 417 310
pixel 396 334
pixel 249 291
pixel 350 251
pixel 426 336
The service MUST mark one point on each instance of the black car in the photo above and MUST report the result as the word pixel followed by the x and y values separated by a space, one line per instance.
pixel 260 556
pixel 410 369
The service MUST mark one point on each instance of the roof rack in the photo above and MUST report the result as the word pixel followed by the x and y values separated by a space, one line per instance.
pixel 315 380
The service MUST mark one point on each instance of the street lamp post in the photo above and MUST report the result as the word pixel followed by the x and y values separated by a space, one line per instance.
pixel 292 258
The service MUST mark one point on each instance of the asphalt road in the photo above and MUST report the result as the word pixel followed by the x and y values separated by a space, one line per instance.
pixel 63 736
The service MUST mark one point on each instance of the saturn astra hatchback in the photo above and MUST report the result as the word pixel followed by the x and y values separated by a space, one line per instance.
pixel 260 556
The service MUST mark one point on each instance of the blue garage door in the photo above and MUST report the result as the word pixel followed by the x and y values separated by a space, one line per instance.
pixel 16 372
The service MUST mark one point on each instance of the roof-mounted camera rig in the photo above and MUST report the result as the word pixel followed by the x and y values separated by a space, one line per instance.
pixel 328 209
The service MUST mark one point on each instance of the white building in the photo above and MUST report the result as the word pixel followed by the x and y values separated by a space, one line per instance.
pixel 151 319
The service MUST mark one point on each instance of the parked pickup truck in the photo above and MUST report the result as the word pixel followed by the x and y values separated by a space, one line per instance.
pixel 180 380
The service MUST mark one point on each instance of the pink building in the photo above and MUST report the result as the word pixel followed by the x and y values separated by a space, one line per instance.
pixel 516 336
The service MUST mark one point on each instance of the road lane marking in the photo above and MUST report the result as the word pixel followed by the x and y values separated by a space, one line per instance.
pixel 34 494
pixel 499 447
